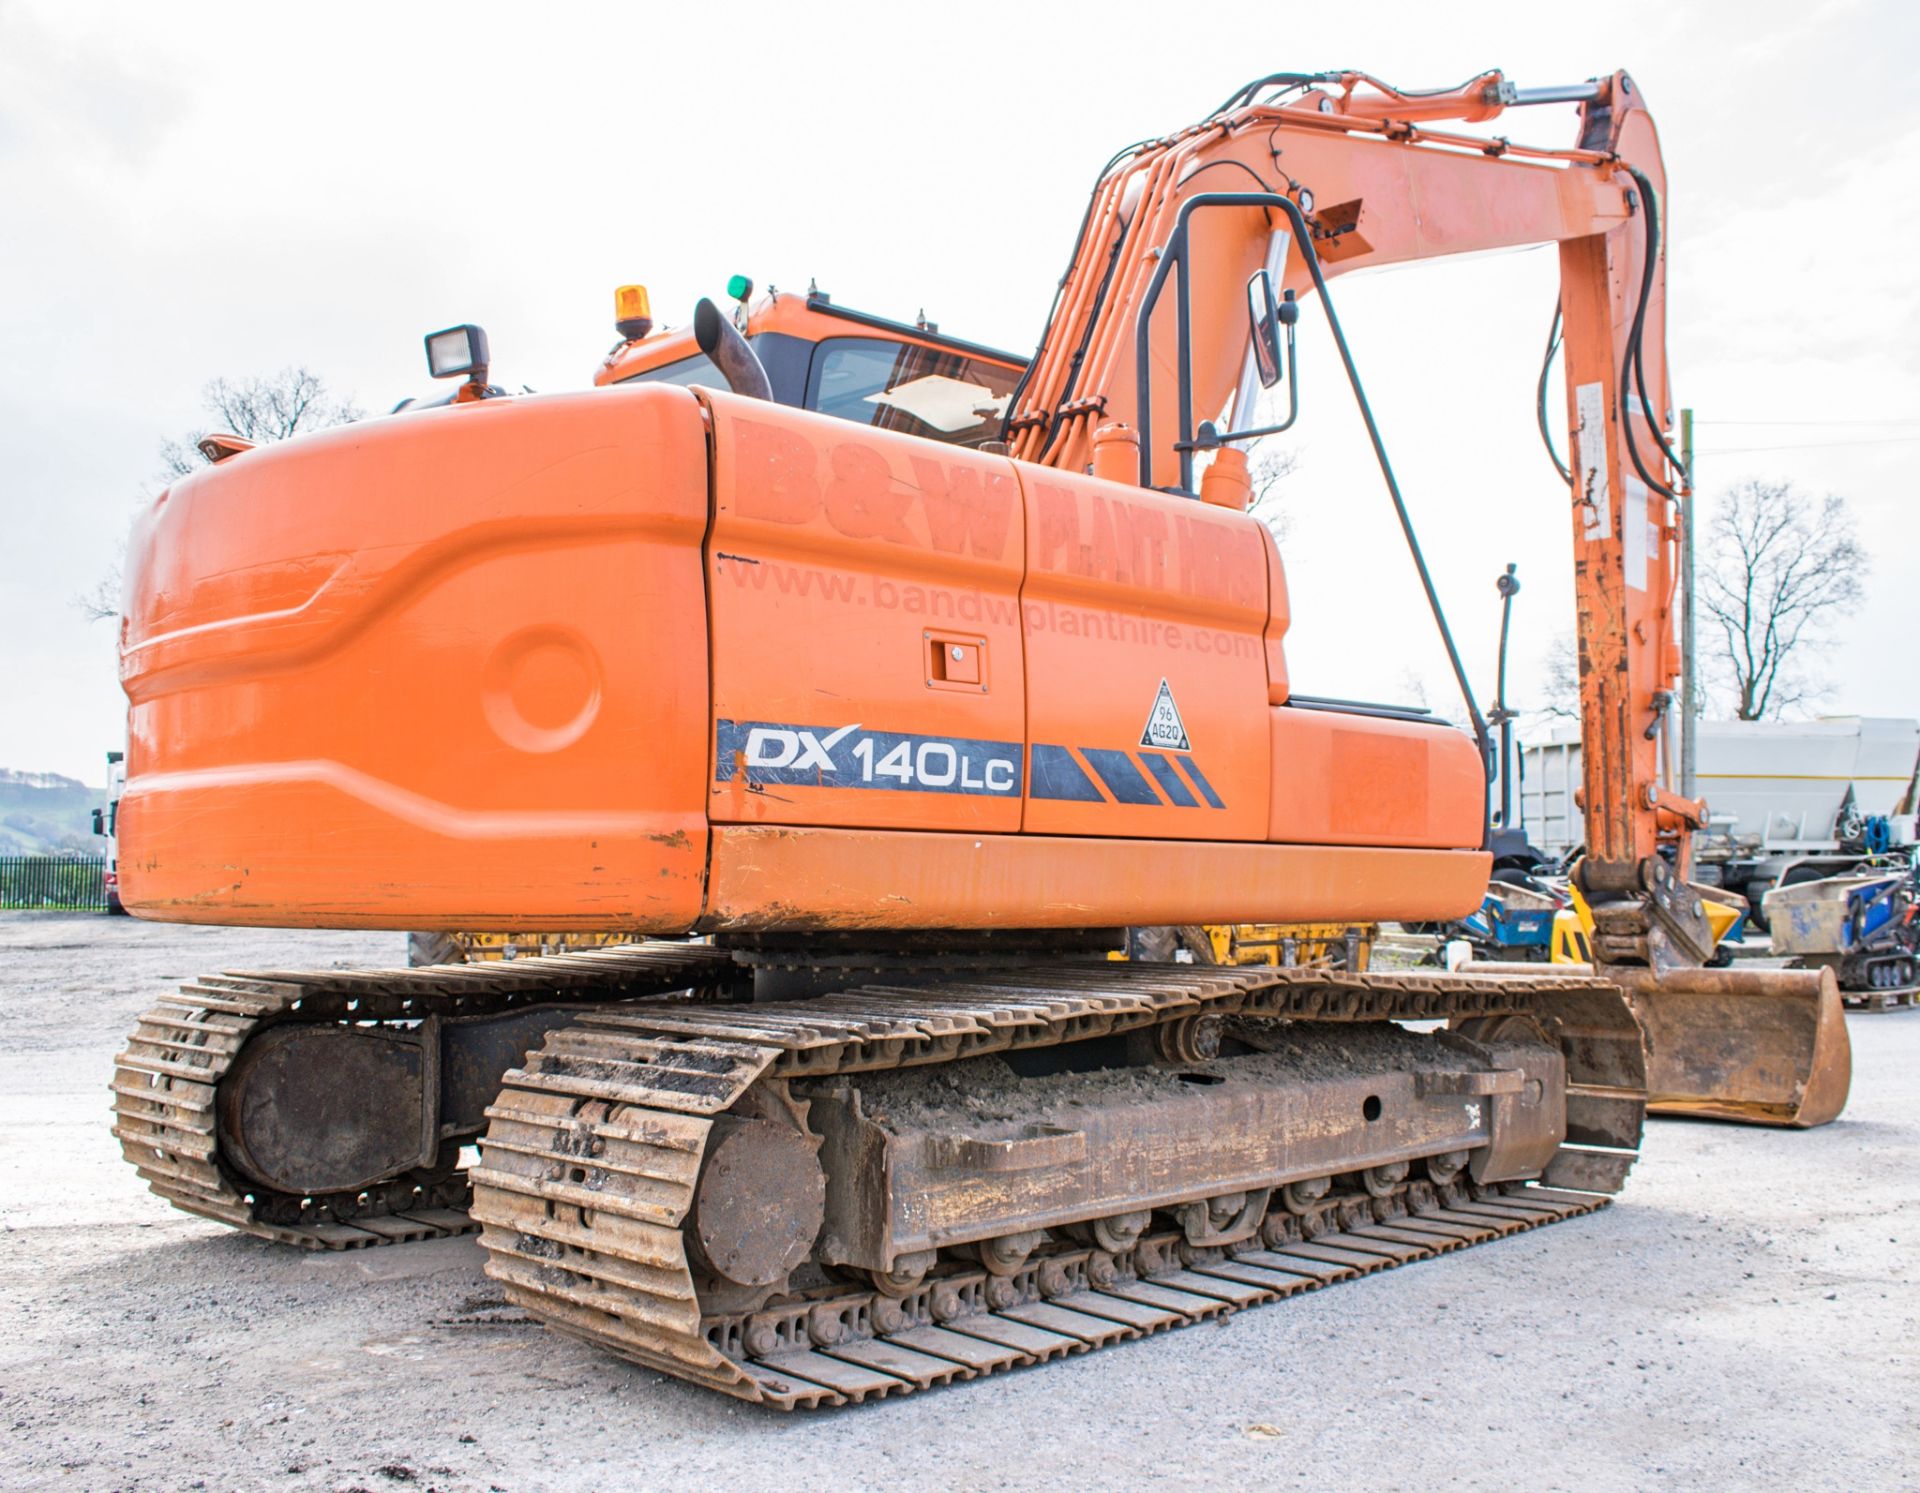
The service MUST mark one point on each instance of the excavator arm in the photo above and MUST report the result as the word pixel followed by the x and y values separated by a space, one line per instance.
pixel 1304 177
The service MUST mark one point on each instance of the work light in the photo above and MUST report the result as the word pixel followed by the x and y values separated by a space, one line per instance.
pixel 458 352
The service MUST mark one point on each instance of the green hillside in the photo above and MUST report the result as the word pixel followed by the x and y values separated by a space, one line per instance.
pixel 43 813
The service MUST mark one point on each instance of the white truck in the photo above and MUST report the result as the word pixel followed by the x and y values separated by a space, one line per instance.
pixel 1787 801
pixel 106 824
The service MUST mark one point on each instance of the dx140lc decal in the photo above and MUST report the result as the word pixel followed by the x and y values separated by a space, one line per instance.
pixel 853 757
pixel 767 752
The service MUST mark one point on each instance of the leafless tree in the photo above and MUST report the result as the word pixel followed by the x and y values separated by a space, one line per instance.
pixel 1560 684
pixel 1270 467
pixel 264 409
pixel 103 599
pixel 261 410
pixel 1780 569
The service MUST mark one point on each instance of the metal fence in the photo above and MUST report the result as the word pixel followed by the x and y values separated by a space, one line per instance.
pixel 53 881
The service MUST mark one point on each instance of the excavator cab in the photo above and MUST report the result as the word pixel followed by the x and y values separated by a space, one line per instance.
pixel 892 375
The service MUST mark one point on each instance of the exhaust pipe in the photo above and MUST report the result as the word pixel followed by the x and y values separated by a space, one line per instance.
pixel 730 352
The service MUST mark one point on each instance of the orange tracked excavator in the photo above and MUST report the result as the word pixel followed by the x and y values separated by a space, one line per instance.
pixel 881 741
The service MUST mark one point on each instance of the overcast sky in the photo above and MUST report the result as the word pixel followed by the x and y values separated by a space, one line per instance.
pixel 195 192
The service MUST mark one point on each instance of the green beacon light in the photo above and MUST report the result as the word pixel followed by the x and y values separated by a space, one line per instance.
pixel 740 287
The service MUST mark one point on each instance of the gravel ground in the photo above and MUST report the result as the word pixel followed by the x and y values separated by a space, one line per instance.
pixel 1744 1316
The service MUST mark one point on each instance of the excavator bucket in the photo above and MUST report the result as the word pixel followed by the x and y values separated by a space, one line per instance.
pixel 1759 1047
pixel 1754 1046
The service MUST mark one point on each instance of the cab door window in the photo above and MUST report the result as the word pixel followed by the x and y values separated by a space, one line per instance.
pixel 938 396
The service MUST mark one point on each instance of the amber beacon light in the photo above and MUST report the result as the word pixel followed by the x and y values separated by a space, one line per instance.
pixel 632 316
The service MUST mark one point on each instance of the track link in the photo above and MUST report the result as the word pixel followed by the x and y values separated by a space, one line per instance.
pixel 165 1084
pixel 590 1166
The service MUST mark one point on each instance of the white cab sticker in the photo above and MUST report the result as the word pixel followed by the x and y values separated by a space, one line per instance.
pixel 1636 534
pixel 1590 404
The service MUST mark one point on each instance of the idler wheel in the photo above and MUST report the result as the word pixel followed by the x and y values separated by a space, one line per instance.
pixel 758 1204
pixel 313 1109
pixel 1380 1181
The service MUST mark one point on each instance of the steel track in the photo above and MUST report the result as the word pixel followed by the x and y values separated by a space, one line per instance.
pixel 165 1085
pixel 595 1148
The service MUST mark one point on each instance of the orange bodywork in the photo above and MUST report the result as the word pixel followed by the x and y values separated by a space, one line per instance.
pixel 419 664
pixel 657 659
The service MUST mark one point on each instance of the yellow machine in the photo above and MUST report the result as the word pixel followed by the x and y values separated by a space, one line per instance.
pixel 1573 926
pixel 1276 945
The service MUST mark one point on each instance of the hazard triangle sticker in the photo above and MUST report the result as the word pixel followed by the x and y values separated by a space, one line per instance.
pixel 1164 726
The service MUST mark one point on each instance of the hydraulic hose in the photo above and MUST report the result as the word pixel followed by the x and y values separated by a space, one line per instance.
pixel 1633 374
pixel 1540 397
pixel 1059 290
pixel 1245 94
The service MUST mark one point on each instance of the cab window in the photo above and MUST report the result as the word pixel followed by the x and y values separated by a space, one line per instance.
pixel 939 396
pixel 687 372
pixel 785 358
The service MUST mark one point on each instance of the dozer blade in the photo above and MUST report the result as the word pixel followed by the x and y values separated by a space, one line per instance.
pixel 1759 1047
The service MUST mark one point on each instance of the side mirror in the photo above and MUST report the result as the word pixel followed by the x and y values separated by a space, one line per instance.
pixel 1263 323
pixel 99 826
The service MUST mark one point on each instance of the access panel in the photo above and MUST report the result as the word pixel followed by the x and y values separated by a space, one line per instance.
pixel 1145 620
pixel 864 594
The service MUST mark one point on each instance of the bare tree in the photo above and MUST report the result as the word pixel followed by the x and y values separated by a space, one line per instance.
pixel 1270 467
pixel 1560 685
pixel 1780 569
pixel 260 410
pixel 102 600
